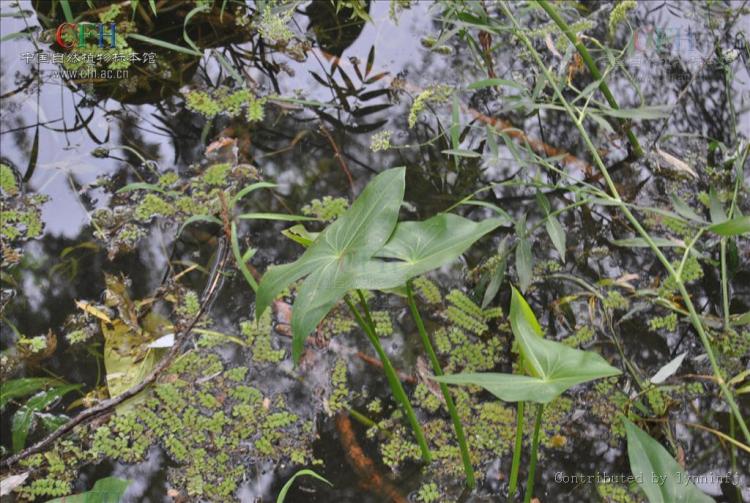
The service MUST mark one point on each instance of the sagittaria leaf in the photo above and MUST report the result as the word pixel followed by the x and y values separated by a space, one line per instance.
pixel 332 258
pixel 657 472
pixel 553 368
pixel 418 247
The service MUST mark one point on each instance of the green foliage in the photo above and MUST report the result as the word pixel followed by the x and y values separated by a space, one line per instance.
pixel 619 14
pixel 428 290
pixel 339 397
pixel 428 493
pixel 383 323
pixel 381 141
pixel 288 485
pixel 327 209
pixel 258 336
pixel 656 471
pixel 552 367
pixel 224 101
pixel 272 25
pixel 8 183
pixel 434 94
pixel 667 322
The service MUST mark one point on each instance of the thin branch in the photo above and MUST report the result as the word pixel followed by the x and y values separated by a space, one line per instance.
pixel 107 405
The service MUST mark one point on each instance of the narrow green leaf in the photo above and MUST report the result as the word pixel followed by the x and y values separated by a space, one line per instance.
pixel 657 473
pixel 22 420
pixel 164 45
pixel 193 12
pixel 240 260
pixel 642 113
pixel 524 263
pixel 482 84
pixel 455 124
pixel 250 188
pixel 276 216
pixel 715 207
pixel 497 276
pixel 290 482
pixel 67 11
pixel 641 243
pixel 683 209
pixel 199 218
pixel 460 152
pixel 557 234
pixel 17 388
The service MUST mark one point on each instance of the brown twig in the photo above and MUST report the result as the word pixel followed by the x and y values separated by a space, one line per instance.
pixel 339 157
pixel 107 405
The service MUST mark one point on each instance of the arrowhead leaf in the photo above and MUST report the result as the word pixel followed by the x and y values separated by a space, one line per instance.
pixel 657 472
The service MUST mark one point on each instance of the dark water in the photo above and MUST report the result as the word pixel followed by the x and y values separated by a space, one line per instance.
pixel 70 125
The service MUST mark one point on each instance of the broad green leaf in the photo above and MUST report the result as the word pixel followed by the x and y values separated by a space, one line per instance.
pixel 23 418
pixel 734 227
pixel 106 490
pixel 349 241
pixel 553 367
pixel 656 471
pixel 290 482
pixel 427 245
pixel 17 388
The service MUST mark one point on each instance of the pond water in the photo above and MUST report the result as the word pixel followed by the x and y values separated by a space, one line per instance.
pixel 77 143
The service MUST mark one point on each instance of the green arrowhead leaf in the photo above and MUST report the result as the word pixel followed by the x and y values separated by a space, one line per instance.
pixel 419 247
pixel 656 471
pixel 332 258
pixel 553 367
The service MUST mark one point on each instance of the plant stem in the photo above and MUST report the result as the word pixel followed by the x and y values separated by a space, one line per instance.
pixel 724 283
pixel 591 65
pixel 396 387
pixel 615 198
pixel 465 457
pixel 516 453
pixel 534 448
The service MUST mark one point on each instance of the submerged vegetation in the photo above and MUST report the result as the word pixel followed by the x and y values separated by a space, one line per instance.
pixel 341 250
